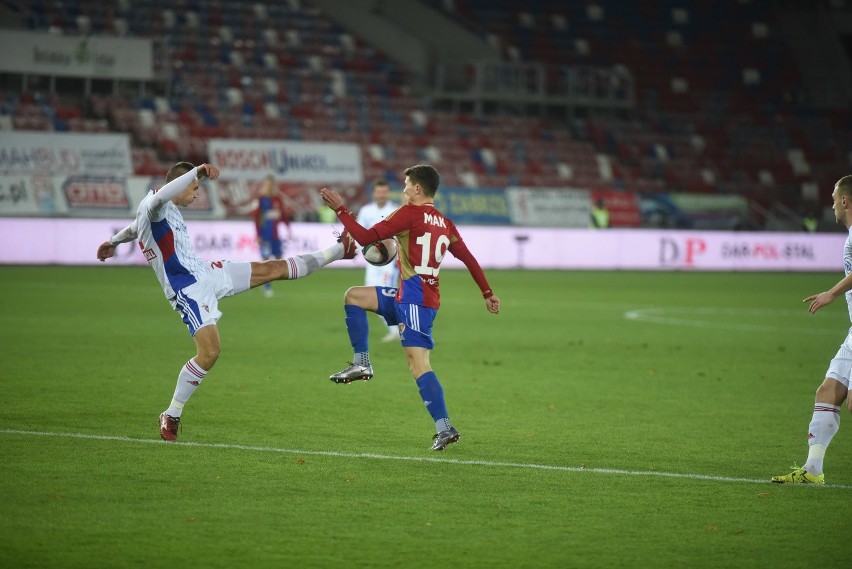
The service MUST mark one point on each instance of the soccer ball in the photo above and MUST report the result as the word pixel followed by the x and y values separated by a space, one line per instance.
pixel 380 253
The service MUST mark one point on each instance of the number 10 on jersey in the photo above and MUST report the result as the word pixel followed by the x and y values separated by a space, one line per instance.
pixel 426 255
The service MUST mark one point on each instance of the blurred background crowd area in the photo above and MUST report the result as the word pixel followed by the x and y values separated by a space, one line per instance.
pixel 746 98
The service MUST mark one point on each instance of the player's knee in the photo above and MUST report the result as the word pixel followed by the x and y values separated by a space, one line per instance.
pixel 831 391
pixel 417 371
pixel 260 273
pixel 276 267
pixel 417 366
pixel 353 296
pixel 209 355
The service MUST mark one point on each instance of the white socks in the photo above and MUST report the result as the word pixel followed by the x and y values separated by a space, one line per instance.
pixel 824 425
pixel 189 378
pixel 303 265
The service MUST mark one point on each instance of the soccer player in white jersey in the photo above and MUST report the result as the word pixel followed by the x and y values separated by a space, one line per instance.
pixel 369 215
pixel 835 388
pixel 194 286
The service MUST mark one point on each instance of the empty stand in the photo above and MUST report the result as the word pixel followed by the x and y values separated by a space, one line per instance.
pixel 711 115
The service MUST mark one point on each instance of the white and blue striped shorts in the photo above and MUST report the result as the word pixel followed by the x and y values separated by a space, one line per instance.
pixel 198 303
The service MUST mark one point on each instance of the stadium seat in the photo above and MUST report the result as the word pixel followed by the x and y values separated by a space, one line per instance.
pixel 703 108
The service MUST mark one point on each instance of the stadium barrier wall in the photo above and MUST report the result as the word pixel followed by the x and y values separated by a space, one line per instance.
pixel 109 196
pixel 287 160
pixel 88 176
pixel 75 242
pixel 36 153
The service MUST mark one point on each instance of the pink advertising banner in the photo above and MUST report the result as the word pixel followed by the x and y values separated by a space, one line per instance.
pixel 74 242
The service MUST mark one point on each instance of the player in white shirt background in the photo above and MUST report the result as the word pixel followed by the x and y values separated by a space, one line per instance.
pixel 825 421
pixel 194 286
pixel 369 215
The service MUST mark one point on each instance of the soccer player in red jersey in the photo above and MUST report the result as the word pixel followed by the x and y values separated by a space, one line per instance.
pixel 268 212
pixel 424 235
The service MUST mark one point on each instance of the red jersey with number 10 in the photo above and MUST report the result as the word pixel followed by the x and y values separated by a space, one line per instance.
pixel 424 236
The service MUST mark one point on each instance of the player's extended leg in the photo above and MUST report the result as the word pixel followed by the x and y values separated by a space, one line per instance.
pixel 302 265
pixel 266 254
pixel 190 377
pixel 356 302
pixel 432 394
pixel 825 423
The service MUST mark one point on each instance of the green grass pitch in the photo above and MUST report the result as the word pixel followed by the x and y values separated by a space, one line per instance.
pixel 621 380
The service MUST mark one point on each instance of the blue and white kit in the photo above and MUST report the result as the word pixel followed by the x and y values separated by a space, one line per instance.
pixel 192 285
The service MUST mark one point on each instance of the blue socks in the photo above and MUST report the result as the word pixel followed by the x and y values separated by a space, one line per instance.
pixel 359 333
pixel 430 388
pixel 433 397
pixel 356 325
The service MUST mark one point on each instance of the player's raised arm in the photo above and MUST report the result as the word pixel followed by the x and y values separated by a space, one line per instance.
pixel 463 254
pixel 358 232
pixel 174 188
pixel 107 248
pixel 208 171
pixel 331 198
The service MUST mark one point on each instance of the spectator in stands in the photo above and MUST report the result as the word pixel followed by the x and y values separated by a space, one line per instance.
pixel 268 213
pixel 325 215
pixel 810 221
pixel 600 215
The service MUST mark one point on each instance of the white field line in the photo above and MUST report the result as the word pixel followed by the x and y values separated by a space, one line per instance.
pixel 442 460
pixel 692 317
